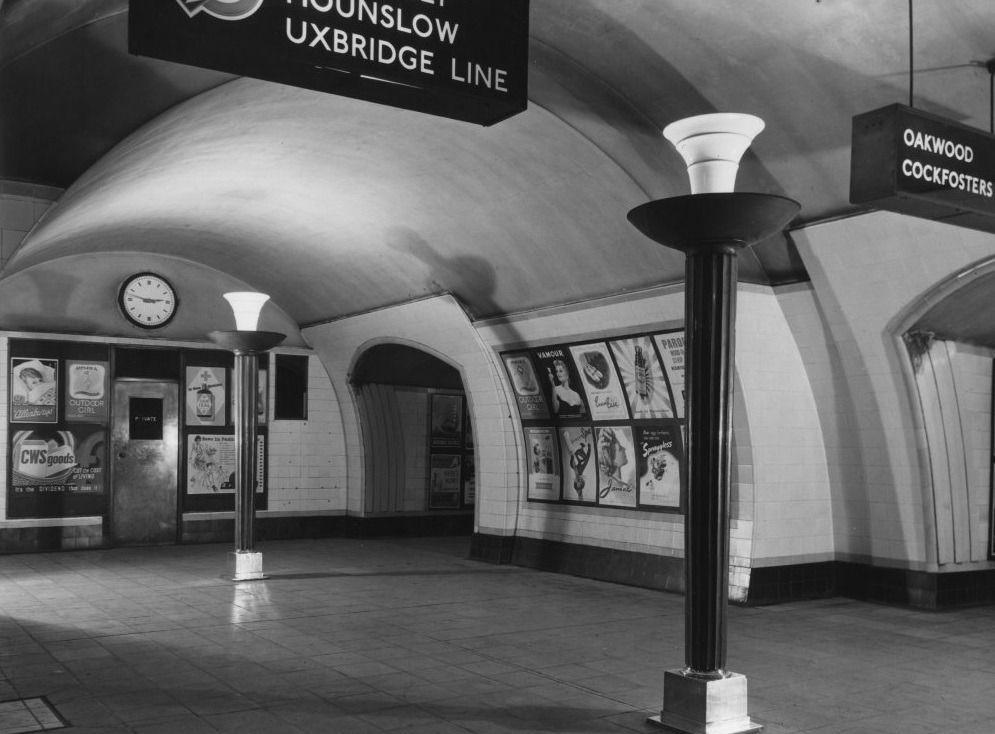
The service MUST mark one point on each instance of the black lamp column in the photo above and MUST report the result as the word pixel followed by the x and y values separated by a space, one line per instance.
pixel 710 228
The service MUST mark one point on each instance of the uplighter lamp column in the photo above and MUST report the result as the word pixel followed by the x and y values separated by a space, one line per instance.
pixel 247 342
pixel 710 226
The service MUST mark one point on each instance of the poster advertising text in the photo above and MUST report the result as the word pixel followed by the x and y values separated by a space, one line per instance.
pixel 469 479
pixel 34 390
pixel 211 463
pixel 671 346
pixel 616 467
pixel 659 466
pixel 528 395
pixel 447 420
pixel 600 381
pixel 205 401
pixel 444 481
pixel 580 478
pixel 544 465
pixel 86 392
pixel 47 462
pixel 643 378
pixel 560 382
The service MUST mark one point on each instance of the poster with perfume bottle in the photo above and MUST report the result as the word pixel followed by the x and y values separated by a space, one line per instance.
pixel 601 382
pixel 658 454
pixel 543 463
pixel 205 396
pixel 86 391
pixel 671 346
pixel 579 465
pixel 642 375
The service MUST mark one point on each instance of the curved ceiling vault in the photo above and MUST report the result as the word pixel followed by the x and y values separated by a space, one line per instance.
pixel 335 206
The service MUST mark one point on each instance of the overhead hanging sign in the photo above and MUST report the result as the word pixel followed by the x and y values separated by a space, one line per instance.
pixel 911 162
pixel 462 59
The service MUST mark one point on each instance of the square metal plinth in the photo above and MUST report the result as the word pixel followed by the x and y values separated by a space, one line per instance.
pixel 698 706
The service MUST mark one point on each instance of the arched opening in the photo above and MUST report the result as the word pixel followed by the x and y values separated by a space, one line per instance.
pixel 418 443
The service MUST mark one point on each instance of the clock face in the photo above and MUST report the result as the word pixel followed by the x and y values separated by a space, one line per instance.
pixel 147 300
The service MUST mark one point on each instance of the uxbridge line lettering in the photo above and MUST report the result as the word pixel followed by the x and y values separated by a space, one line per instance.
pixel 362 47
pixel 387 16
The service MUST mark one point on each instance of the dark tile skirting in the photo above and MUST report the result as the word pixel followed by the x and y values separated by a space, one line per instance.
pixel 768 585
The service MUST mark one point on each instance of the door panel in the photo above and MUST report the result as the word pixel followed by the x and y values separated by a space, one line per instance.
pixel 144 455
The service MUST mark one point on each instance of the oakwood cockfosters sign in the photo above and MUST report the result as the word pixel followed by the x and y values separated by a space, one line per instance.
pixel 923 165
pixel 462 59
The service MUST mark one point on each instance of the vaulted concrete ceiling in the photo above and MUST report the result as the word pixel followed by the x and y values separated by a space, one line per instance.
pixel 335 206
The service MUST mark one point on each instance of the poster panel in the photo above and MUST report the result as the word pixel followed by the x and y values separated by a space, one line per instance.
pixel 601 382
pixel 528 395
pixel 86 392
pixel 544 477
pixel 205 403
pixel 560 383
pixel 447 420
pixel 57 473
pixel 469 479
pixel 444 481
pixel 211 463
pixel 616 467
pixel 659 466
pixel 643 377
pixel 671 346
pixel 580 478
pixel 34 390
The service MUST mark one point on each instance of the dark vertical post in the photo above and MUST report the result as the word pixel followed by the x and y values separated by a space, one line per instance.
pixel 710 317
pixel 246 379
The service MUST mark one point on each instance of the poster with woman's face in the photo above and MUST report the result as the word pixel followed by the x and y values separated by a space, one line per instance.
pixel 580 474
pixel 560 383
pixel 600 381
pixel 643 378
pixel 34 390
pixel 616 466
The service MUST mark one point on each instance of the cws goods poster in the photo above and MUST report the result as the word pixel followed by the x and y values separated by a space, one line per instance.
pixel 528 395
pixel 580 479
pixel 616 467
pixel 659 467
pixel 544 478
pixel 560 383
pixel 53 472
pixel 34 390
pixel 86 392
pixel 600 380
pixel 643 378
pixel 671 348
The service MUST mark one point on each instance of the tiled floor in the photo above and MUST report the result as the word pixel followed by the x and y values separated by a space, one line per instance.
pixel 364 636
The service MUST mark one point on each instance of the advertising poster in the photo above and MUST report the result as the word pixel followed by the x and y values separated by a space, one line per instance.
pixel 616 467
pixel 469 479
pixel 52 469
pixel 580 477
pixel 34 390
pixel 444 481
pixel 659 467
pixel 643 378
pixel 528 395
pixel 600 381
pixel 560 382
pixel 447 420
pixel 86 392
pixel 671 348
pixel 544 479
pixel 211 463
pixel 206 396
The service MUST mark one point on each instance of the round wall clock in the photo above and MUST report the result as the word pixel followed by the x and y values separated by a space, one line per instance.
pixel 147 300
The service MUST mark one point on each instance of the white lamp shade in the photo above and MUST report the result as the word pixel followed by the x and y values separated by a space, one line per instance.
pixel 246 305
pixel 712 146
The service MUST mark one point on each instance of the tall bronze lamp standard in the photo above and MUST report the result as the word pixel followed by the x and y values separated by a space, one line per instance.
pixel 710 226
pixel 247 343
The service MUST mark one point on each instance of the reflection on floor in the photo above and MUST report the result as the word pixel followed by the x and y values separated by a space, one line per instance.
pixel 365 636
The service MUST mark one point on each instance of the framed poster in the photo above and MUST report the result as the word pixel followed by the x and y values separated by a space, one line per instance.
pixel 86 391
pixel 616 467
pixel 211 463
pixel 525 383
pixel 34 390
pixel 642 374
pixel 57 473
pixel 544 477
pixel 447 420
pixel 671 346
pixel 560 383
pixel 580 477
pixel 469 479
pixel 444 481
pixel 659 466
pixel 205 396
pixel 605 394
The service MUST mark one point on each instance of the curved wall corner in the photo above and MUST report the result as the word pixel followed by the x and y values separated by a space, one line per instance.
pixel 440 327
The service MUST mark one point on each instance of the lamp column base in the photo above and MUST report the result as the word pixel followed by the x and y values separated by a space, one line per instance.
pixel 699 706
pixel 246 565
